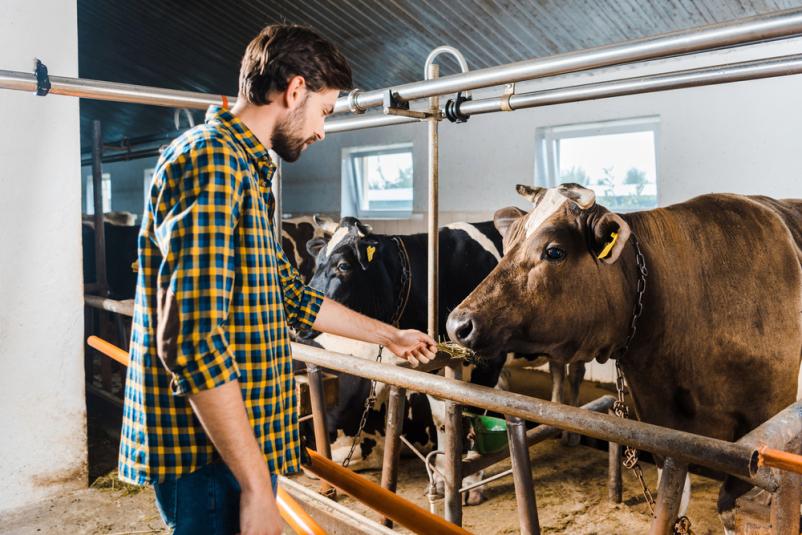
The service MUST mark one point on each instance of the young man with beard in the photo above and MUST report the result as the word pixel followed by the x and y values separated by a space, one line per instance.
pixel 210 416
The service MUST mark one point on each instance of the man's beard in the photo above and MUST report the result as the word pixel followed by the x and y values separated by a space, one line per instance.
pixel 286 140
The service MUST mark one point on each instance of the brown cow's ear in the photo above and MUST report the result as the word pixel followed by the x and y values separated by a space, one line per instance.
pixel 529 193
pixel 611 234
pixel 504 217
pixel 582 196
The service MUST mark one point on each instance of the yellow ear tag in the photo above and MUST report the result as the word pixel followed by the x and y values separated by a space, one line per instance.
pixel 371 252
pixel 608 246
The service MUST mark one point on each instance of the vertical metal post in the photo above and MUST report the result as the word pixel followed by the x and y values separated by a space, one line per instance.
pixel 434 187
pixel 453 461
pixel 97 199
pixel 453 446
pixel 396 403
pixel 669 496
pixel 316 400
pixel 522 477
pixel 614 484
pixel 785 500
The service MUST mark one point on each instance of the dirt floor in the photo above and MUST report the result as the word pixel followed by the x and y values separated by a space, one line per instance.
pixel 571 493
pixel 570 486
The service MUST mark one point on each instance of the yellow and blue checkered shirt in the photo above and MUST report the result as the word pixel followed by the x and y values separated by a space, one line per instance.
pixel 215 294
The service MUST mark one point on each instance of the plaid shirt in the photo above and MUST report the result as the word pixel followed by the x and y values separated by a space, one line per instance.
pixel 215 294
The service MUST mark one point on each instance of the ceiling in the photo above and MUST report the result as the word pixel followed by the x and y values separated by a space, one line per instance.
pixel 197 45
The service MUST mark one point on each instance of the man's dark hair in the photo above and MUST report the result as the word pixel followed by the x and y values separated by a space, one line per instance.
pixel 282 51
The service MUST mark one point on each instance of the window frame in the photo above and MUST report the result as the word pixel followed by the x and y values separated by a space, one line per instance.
pixel 547 151
pixel 349 176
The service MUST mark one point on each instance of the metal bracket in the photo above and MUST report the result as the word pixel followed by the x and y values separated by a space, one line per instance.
pixel 452 112
pixel 509 91
pixel 42 78
pixel 392 105
pixel 352 105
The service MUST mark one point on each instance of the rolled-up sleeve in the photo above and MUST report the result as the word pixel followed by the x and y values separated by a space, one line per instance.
pixel 196 236
pixel 301 302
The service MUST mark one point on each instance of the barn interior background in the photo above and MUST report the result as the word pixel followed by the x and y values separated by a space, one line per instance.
pixel 741 137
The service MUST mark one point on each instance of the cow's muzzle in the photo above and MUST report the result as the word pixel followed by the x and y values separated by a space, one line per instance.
pixel 462 329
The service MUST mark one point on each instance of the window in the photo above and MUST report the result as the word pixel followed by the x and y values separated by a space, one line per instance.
pixel 616 159
pixel 148 178
pixel 377 181
pixel 90 195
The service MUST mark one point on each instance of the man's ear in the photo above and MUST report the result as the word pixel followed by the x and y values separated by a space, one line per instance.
pixel 314 246
pixel 504 217
pixel 611 234
pixel 296 92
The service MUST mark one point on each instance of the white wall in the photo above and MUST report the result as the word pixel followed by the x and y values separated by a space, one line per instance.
pixel 42 405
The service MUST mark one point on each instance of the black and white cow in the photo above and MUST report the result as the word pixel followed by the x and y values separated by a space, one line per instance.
pixel 385 277
pixel 296 232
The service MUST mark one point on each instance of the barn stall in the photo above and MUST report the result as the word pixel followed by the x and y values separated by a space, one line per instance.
pixel 557 88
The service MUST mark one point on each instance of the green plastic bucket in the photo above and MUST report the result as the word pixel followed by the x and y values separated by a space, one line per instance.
pixel 491 433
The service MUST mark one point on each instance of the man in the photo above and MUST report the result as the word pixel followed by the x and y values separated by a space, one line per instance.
pixel 210 416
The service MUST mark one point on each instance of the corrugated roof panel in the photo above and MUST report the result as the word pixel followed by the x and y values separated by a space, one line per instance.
pixel 197 45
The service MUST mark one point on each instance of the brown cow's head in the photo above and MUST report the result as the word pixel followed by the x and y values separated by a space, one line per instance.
pixel 551 294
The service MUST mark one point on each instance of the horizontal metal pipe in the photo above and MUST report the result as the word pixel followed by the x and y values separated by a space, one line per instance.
pixel 728 457
pixel 125 156
pixel 739 32
pixel 719 74
pixel 358 122
pixel 126 308
pixel 102 90
pixel 779 431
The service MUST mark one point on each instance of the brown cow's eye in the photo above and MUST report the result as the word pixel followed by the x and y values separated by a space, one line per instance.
pixel 344 267
pixel 554 253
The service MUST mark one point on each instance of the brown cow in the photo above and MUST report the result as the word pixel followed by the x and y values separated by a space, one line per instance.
pixel 721 308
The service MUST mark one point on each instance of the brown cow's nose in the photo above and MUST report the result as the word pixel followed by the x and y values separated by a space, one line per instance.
pixel 460 329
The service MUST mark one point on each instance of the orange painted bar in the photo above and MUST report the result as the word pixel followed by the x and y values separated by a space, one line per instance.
pixel 295 517
pixel 381 500
pixel 779 459
pixel 109 349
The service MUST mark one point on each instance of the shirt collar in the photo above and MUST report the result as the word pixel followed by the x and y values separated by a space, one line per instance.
pixel 243 134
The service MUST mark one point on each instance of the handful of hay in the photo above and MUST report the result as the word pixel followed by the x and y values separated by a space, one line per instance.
pixel 110 481
pixel 454 350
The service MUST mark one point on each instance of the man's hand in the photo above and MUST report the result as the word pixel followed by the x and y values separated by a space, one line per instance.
pixel 258 513
pixel 221 411
pixel 412 345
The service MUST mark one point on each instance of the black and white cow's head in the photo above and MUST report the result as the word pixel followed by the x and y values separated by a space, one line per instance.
pixel 358 269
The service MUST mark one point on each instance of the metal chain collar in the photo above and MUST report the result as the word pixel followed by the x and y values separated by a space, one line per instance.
pixel 630 457
pixel 403 299
pixel 369 401
pixel 406 282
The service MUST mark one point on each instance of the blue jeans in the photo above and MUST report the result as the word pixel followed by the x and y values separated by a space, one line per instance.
pixel 205 502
